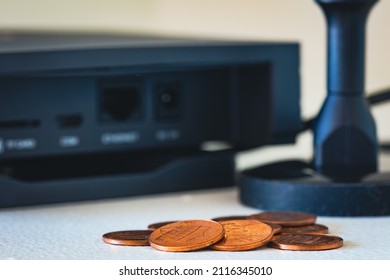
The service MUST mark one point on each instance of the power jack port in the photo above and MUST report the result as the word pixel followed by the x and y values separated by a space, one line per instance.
pixel 168 101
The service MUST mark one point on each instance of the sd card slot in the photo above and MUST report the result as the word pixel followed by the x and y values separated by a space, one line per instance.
pixel 16 124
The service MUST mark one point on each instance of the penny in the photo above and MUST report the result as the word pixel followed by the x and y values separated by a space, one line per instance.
pixel 276 228
pixel 285 218
pixel 227 218
pixel 306 242
pixel 128 237
pixel 186 235
pixel 316 228
pixel 158 225
pixel 241 235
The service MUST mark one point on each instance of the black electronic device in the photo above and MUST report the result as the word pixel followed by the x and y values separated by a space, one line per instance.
pixel 96 116
pixel 343 179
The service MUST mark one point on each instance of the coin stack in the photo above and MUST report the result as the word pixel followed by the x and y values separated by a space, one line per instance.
pixel 285 230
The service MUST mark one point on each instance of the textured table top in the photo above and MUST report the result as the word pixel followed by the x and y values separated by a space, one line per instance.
pixel 74 230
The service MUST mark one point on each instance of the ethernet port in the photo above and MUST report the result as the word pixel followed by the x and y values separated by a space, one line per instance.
pixel 120 103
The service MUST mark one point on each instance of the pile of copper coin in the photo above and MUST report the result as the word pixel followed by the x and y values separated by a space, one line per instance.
pixel 285 230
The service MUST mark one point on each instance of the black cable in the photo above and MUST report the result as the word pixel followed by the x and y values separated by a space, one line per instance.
pixel 379 97
pixel 308 124
pixel 385 147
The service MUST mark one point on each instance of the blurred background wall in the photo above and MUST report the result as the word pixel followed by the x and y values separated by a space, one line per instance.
pixel 292 20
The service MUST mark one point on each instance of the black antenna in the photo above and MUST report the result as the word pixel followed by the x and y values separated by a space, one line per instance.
pixel 346 145
pixel 342 179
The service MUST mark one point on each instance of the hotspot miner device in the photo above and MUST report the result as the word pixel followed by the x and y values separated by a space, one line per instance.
pixel 86 116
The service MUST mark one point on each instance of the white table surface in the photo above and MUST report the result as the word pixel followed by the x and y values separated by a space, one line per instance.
pixel 74 230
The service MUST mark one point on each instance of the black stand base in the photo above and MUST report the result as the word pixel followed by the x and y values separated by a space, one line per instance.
pixel 294 185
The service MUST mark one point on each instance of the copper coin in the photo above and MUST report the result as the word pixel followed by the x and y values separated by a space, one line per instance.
pixel 305 242
pixel 316 228
pixel 276 228
pixel 158 225
pixel 186 235
pixel 243 235
pixel 228 218
pixel 128 237
pixel 285 218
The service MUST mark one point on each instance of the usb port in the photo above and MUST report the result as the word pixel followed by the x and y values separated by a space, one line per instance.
pixel 70 120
